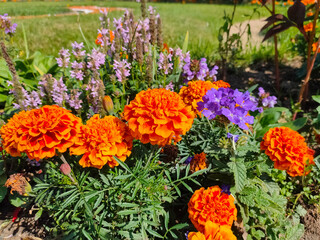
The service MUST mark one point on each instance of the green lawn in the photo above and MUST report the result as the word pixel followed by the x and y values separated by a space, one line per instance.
pixel 50 34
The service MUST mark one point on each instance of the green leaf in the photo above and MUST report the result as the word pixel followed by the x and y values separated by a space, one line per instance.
pixel 187 187
pixel 316 98
pixel 122 164
pixel 179 226
pixel 38 214
pixel 18 200
pixel 3 98
pixel 185 43
pixel 240 174
pixel 295 232
pixel 86 234
pixel 254 86
pixel 166 220
pixel 154 233
pixel 127 212
pixel 129 205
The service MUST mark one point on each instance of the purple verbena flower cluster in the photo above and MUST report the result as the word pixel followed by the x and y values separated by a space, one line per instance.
pixel 198 70
pixel 122 69
pixel 64 59
pixel 230 103
pixel 7 25
pixel 266 99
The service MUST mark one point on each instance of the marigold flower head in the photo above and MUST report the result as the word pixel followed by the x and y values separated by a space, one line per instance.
pixel 17 182
pixel 308 27
pixel 193 93
pixel 288 150
pixel 211 205
pixel 213 231
pixel 158 116
pixel 198 162
pixel 101 139
pixel 314 47
pixel 307 2
pixel 40 133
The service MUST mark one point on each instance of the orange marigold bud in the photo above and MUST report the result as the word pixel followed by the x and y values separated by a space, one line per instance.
pixel 308 27
pixel 158 116
pixel 288 150
pixel 211 205
pixel 40 133
pixel 101 139
pixel 213 231
pixel 198 162
pixel 107 104
pixel 65 169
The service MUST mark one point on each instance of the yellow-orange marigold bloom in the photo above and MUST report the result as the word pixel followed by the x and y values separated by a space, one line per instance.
pixel 288 150
pixel 314 47
pixel 111 34
pixel 193 93
pixel 40 133
pixel 308 27
pixel 198 162
pixel 101 139
pixel 306 2
pixel 213 231
pixel 211 205
pixel 158 116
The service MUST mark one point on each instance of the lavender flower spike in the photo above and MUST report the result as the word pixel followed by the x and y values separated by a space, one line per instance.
pixel 6 25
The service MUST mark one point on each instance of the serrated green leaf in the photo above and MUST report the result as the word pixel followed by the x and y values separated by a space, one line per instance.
pixel 240 174
pixel 129 205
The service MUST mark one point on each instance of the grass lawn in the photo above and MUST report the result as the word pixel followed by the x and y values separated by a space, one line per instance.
pixel 49 34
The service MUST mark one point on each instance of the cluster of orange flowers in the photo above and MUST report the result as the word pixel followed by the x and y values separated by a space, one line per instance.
pixel 193 93
pixel 288 150
pixel 98 41
pixel 213 231
pixel 289 2
pixel 45 132
pixel 100 140
pixel 40 133
pixel 212 212
pixel 158 116
pixel 198 162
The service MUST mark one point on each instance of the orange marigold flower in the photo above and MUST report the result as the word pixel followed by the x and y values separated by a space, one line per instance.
pixel 198 162
pixel 17 182
pixel 308 27
pixel 211 205
pixel 288 150
pixel 111 34
pixel 314 47
pixel 158 116
pixel 306 2
pixel 193 93
pixel 40 133
pixel 213 231
pixel 101 139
